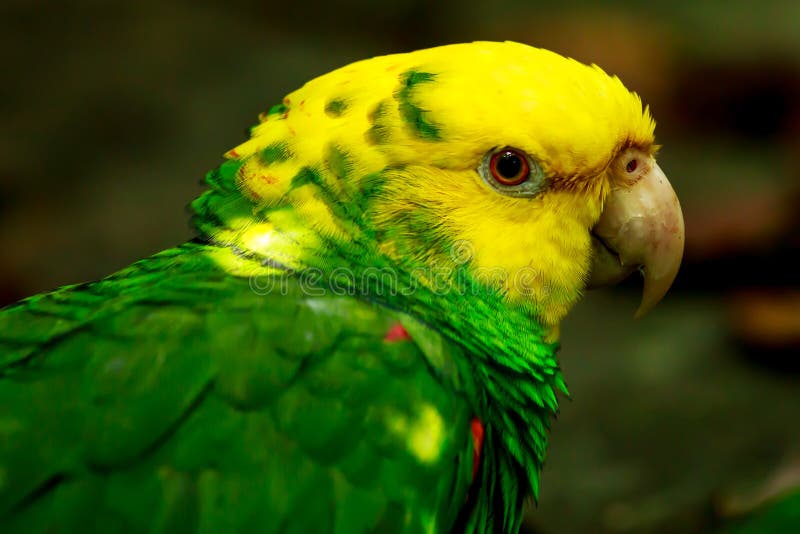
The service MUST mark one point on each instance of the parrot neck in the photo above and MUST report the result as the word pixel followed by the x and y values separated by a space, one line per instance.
pixel 510 371
pixel 510 357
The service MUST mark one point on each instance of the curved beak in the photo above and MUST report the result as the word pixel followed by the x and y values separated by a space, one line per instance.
pixel 641 227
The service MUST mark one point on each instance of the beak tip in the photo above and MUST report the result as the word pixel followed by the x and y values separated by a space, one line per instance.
pixel 656 287
pixel 643 309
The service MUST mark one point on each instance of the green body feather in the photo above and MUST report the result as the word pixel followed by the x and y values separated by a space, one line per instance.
pixel 188 402
pixel 176 396
pixel 171 396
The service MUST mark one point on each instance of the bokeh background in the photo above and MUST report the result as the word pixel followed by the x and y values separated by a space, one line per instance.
pixel 111 113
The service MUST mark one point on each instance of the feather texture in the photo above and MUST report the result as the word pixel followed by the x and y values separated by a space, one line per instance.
pixel 246 380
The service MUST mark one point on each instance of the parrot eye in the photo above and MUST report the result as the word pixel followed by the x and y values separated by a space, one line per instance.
pixel 632 165
pixel 512 172
pixel 509 167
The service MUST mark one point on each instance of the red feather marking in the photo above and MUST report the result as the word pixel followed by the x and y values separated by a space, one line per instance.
pixel 477 444
pixel 397 333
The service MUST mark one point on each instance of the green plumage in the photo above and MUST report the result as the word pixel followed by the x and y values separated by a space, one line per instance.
pixel 188 402
pixel 179 395
pixel 174 396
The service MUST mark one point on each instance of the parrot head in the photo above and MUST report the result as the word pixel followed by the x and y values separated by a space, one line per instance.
pixel 529 175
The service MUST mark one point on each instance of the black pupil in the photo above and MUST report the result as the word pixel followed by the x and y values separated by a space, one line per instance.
pixel 509 165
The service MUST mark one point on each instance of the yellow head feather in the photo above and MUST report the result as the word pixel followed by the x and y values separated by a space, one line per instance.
pixel 422 123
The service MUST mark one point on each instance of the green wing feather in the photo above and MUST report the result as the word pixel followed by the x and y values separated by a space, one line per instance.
pixel 171 397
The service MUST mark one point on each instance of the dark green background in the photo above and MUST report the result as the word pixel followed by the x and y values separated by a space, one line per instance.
pixel 111 113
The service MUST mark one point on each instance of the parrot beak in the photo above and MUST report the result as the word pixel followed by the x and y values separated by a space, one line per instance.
pixel 641 227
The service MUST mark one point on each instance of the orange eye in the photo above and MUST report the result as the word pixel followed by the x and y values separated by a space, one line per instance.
pixel 509 167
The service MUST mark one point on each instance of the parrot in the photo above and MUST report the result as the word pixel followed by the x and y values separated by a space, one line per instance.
pixel 362 336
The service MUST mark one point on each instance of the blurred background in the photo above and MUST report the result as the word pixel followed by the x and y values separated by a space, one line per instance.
pixel 111 113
